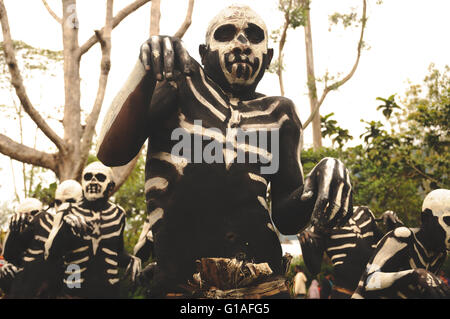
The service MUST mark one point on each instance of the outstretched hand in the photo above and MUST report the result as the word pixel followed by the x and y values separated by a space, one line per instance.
pixel 328 184
pixel 19 222
pixel 134 267
pixel 162 55
pixel 8 270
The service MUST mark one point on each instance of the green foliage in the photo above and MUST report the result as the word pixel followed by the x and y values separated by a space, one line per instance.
pixel 396 167
pixel 331 129
pixel 295 11
pixel 346 19
pixel 45 194
pixel 31 58
pixel 388 106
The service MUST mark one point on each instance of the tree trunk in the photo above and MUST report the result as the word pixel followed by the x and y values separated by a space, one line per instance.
pixel 311 78
pixel 71 121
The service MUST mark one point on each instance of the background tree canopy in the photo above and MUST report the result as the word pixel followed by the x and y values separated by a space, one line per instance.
pixel 406 158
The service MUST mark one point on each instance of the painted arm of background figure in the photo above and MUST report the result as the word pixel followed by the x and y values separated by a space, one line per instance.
pixel 313 247
pixel 67 227
pixel 324 197
pixel 141 102
pixel 410 281
pixel 132 263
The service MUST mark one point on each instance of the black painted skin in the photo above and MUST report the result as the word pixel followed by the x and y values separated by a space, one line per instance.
pixel 209 210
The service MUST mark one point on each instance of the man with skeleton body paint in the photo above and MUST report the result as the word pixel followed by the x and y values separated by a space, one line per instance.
pixel 37 278
pixel 406 261
pixel 88 236
pixel 349 248
pixel 217 208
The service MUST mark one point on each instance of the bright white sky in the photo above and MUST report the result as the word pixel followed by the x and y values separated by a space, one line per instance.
pixel 404 38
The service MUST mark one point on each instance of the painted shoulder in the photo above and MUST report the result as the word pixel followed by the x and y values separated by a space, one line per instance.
pixel 402 233
pixel 284 106
pixel 120 208
pixel 360 211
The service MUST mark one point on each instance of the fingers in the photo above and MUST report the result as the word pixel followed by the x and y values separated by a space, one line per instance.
pixel 169 58
pixel 183 57
pixel 156 56
pixel 19 221
pixel 161 55
pixel 78 224
pixel 145 56
pixel 330 182
pixel 9 270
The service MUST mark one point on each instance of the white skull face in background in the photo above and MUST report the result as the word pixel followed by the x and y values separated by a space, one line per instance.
pixel 240 37
pixel 95 180
pixel 438 202
pixel 30 206
pixel 69 191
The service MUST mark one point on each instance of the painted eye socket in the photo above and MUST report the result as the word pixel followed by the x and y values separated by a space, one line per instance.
pixel 447 220
pixel 58 202
pixel 99 176
pixel 225 33
pixel 70 200
pixel 254 33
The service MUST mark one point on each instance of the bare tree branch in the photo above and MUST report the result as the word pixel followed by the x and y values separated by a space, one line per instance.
pixel 122 14
pixel 155 17
pixel 17 82
pixel 52 13
pixel 187 21
pixel 104 39
pixel 339 83
pixel 26 154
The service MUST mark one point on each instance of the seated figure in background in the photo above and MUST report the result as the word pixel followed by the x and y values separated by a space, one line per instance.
pixel 406 261
pixel 349 248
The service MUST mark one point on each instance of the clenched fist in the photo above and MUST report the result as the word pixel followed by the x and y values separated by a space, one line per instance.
pixel 162 55
pixel 329 185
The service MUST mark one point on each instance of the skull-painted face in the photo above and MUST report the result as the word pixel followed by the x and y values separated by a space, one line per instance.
pixel 237 38
pixel 438 202
pixel 69 191
pixel 30 206
pixel 95 181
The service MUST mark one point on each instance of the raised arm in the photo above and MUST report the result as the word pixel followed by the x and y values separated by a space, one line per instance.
pixel 137 104
pixel 18 237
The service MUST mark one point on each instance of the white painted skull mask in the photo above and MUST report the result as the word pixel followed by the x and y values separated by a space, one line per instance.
pixel 238 37
pixel 30 206
pixel 97 180
pixel 69 191
pixel 438 203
